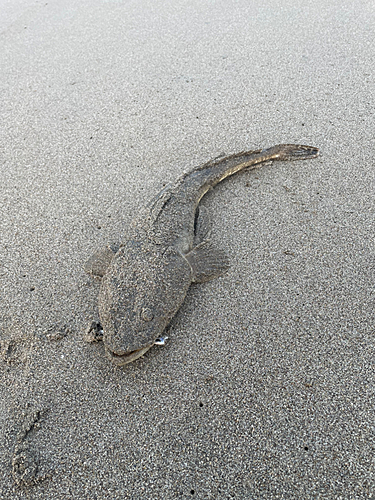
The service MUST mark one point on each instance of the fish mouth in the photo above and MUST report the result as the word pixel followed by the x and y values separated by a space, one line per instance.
pixel 128 357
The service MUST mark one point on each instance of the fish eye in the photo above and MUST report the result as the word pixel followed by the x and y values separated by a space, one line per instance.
pixel 146 314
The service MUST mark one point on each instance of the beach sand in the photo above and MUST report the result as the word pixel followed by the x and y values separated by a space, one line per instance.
pixel 265 388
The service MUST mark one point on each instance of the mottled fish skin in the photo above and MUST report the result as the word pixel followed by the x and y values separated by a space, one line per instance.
pixel 147 279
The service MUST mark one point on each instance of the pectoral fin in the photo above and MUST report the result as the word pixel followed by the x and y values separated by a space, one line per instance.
pixel 207 262
pixel 97 265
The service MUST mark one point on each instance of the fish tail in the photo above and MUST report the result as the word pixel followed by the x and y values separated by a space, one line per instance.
pixel 285 152
pixel 205 177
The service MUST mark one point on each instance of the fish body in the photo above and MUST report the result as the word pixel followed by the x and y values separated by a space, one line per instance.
pixel 166 249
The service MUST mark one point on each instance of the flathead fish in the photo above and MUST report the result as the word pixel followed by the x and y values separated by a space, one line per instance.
pixel 166 249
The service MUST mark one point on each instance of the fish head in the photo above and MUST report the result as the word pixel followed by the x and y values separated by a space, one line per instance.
pixel 139 296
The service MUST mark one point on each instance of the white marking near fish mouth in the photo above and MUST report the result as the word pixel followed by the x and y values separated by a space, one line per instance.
pixel 160 341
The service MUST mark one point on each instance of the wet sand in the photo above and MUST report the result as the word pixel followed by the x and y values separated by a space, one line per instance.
pixel 265 386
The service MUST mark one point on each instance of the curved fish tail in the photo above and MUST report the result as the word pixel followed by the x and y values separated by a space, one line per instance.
pixel 287 152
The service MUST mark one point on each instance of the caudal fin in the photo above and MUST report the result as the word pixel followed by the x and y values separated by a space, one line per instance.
pixel 293 152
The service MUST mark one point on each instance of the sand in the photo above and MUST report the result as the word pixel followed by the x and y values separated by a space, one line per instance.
pixel 265 388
